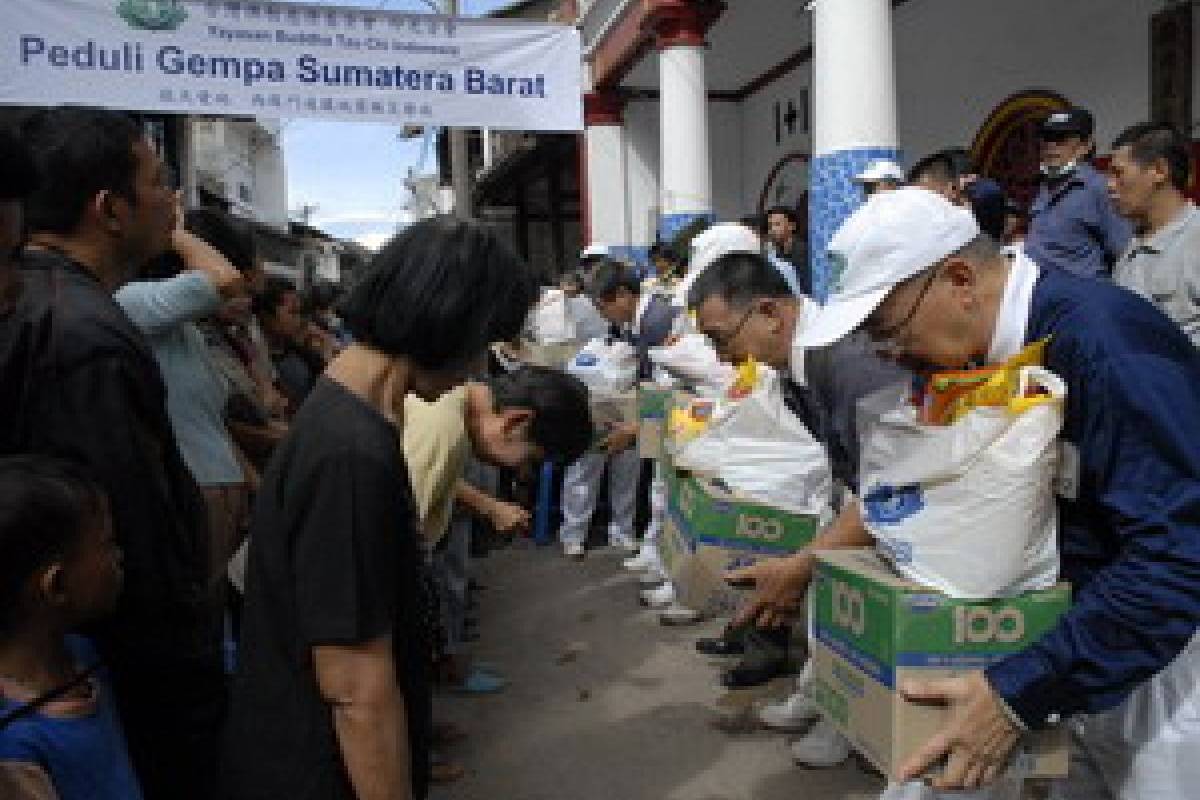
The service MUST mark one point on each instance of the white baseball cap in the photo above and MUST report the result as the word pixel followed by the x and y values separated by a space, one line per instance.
pixel 892 237
pixel 595 250
pixel 880 170
pixel 709 245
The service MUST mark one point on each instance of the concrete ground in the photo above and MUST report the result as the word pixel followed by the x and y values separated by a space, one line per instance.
pixel 605 703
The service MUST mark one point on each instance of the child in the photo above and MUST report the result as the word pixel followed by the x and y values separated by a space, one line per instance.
pixel 60 568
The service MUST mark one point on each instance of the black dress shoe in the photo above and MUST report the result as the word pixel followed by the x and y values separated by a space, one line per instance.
pixel 753 672
pixel 731 642
pixel 766 658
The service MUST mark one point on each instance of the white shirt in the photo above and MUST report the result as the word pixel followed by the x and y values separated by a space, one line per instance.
pixel 1012 320
pixel 808 308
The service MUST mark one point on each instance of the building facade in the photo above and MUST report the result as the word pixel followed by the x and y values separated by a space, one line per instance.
pixel 701 108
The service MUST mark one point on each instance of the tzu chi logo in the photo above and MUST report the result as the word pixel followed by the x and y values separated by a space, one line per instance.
pixel 153 15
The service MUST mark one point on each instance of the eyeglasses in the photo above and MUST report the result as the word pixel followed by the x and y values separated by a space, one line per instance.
pixel 722 340
pixel 888 336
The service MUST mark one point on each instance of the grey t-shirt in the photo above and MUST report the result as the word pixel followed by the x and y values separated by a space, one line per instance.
pixel 1165 269
pixel 165 312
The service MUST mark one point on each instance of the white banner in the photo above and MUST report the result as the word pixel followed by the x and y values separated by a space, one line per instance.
pixel 269 59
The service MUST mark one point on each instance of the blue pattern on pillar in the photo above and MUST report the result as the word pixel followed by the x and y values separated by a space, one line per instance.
pixel 834 196
pixel 669 225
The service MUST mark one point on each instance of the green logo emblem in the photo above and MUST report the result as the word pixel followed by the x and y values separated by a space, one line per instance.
pixel 153 15
pixel 837 270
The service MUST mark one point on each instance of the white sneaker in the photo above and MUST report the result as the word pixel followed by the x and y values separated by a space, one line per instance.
pixel 791 714
pixel 676 614
pixel 645 559
pixel 573 550
pixel 822 746
pixel 626 545
pixel 651 578
pixel 660 598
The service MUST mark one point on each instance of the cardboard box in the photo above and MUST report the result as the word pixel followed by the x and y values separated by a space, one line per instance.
pixel 555 356
pixel 654 404
pixel 872 629
pixel 710 529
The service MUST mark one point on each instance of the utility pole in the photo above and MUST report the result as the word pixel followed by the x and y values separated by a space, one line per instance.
pixel 460 173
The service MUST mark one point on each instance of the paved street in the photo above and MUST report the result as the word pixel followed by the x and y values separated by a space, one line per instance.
pixel 606 704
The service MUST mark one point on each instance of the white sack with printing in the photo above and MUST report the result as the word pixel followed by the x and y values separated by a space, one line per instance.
pixel 604 367
pixel 761 449
pixel 550 322
pixel 693 361
pixel 968 508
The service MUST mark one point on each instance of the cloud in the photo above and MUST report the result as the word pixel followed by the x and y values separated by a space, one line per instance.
pixel 355 217
pixel 374 240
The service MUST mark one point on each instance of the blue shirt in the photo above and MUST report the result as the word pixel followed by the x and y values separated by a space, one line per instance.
pixel 166 312
pixel 1073 225
pixel 84 756
pixel 1130 533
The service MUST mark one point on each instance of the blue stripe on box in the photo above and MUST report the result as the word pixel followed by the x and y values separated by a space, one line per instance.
pixel 871 667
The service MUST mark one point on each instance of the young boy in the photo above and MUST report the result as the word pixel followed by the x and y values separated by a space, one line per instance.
pixel 60 568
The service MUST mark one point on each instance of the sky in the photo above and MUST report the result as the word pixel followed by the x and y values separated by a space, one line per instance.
pixel 353 174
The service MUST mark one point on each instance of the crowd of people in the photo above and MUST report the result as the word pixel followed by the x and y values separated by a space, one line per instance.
pixel 237 518
pixel 226 508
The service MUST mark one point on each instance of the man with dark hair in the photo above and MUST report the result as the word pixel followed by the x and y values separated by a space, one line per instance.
pixel 1072 222
pixel 80 381
pixel 787 239
pixel 1147 177
pixel 332 696
pixel 747 310
pixel 667 263
pixel 17 181
pixel 279 311
pixel 951 174
pixel 644 321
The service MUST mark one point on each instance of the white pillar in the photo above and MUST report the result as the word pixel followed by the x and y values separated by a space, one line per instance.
pixel 604 140
pixel 685 165
pixel 854 114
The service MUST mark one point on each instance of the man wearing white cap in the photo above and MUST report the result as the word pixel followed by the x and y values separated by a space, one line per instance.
pixel 880 176
pixel 914 272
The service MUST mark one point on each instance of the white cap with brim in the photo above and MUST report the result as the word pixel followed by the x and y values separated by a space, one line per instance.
pixel 711 244
pixel 594 250
pixel 891 238
pixel 881 170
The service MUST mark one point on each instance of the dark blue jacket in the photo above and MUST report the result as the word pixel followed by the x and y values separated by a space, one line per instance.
pixel 657 322
pixel 1130 540
pixel 1073 225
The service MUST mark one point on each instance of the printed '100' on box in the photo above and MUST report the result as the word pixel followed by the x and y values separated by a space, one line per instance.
pixel 872 630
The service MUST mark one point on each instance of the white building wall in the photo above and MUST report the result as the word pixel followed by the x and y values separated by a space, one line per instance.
pixel 641 171
pixel 246 158
pixel 956 60
pixel 760 151
pixel 725 145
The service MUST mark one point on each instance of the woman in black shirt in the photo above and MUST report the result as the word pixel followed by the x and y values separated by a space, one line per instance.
pixel 331 699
